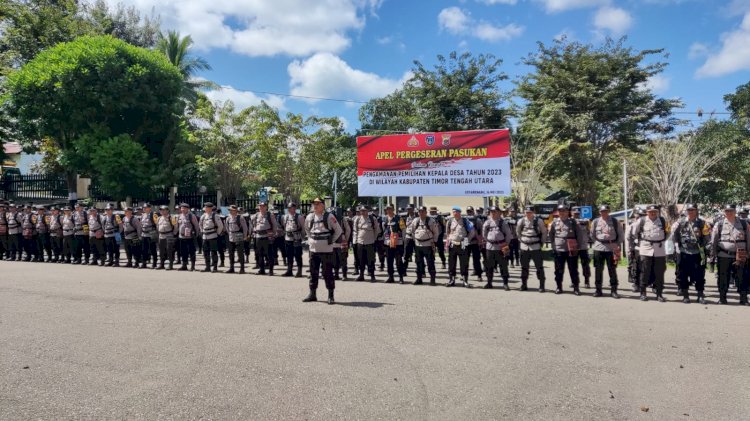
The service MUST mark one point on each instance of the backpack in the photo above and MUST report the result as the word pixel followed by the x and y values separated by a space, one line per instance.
pixel 535 224
pixel 325 223
pixel 295 220
pixel 617 234
pixel 720 224
pixel 642 223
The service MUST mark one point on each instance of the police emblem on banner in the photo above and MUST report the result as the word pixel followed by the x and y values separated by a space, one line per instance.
pixel 446 139
pixel 429 140
pixel 413 142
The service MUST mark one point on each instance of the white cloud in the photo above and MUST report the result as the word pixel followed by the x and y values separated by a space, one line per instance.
pixel 734 54
pixel 325 75
pixel 658 84
pixel 459 22
pixel 487 32
pixel 264 28
pixel 243 99
pixel 454 20
pixel 697 50
pixel 554 6
pixel 614 20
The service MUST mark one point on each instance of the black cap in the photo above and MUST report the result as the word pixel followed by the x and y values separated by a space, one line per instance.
pixel 562 207
pixel 433 208
pixel 575 209
pixel 40 207
pixel 291 205
pixel 642 212
pixel 528 208
pixel 348 209
pixel 146 205
pixel 109 206
pixel 128 209
pixel 262 204
pixel 390 207
pixel 233 207
pixel 361 208
pixel 375 209
pixel 79 204
pixel 480 209
pixel 54 208
pixel 604 208
pixel 12 205
pixel 422 208
pixel 493 209
pixel 469 209
pixel 743 211
pixel 652 208
pixel 318 200
pixel 164 207
pixel 691 206
pixel 208 205
pixel 67 208
pixel 138 208
pixel 184 205
pixel 730 207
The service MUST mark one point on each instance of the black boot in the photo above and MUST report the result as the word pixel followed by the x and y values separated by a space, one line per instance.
pixel 685 297
pixel 524 286
pixel 372 278
pixel 432 279
pixel 743 299
pixel 231 269
pixel 451 282
pixel 505 285
pixel 311 297
pixel 643 296
pixel 299 273
pixel 541 286
pixel 288 272
pixel 401 279
pixel 183 268
pixel 576 290
pixel 344 273
pixel 161 266
pixel 559 289
pixel 360 277
pixel 192 266
pixel 660 298
pixel 586 284
pixel 330 297
pixel 636 288
pixel 598 292
pixel 723 297
pixel 466 282
pixel 390 280
pixel 701 297
pixel 488 285
pixel 418 281
pixel 613 293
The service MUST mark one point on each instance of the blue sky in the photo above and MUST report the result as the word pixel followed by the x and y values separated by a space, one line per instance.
pixel 360 49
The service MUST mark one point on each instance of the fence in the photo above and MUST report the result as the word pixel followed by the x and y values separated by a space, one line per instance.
pixel 26 188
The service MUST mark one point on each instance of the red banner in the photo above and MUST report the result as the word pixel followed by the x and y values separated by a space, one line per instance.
pixel 449 162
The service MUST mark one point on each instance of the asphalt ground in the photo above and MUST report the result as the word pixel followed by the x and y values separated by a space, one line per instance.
pixel 113 343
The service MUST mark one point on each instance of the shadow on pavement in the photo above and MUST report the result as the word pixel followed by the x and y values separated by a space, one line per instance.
pixel 365 304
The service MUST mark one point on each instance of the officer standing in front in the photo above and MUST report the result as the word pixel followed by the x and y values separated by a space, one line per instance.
pixel 56 234
pixel 634 259
pixel 440 243
pixel 96 237
pixel 112 225
pixel 68 232
pixel 424 231
pixel 130 230
pixel 408 240
pixel 497 234
pixel 294 234
pixel 474 250
pixel 149 235
pixel 263 227
pixel 532 234
pixel 394 243
pixel 188 230
pixel 237 231
pixel 211 227
pixel 690 237
pixel 458 233
pixel 366 230
pixel 564 239
pixel 166 225
pixel 322 229
pixel 607 235
pixel 730 242
pixel 584 235
pixel 652 233
pixel 43 239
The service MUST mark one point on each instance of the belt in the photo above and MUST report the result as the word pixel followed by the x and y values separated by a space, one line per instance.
pixel 609 241
pixel 262 232
pixel 321 237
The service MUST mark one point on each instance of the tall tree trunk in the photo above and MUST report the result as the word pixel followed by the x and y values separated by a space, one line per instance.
pixel 71 179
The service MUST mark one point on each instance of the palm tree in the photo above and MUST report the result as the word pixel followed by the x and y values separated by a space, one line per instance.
pixel 177 50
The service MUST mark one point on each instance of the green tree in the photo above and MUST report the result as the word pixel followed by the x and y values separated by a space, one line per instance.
pixel 177 50
pixel 97 88
pixel 728 182
pixel 125 23
pixel 462 92
pixel 593 100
